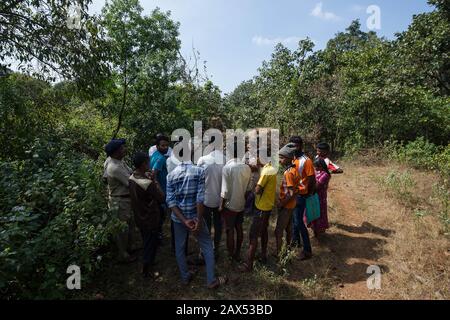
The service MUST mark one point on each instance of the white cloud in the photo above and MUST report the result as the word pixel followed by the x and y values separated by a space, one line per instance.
pixel 324 15
pixel 263 41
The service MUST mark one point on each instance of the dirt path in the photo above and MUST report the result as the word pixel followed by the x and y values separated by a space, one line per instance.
pixel 368 227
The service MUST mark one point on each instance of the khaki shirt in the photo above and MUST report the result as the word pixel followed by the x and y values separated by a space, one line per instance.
pixel 117 174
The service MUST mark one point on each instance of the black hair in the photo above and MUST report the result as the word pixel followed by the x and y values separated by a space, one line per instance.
pixel 297 140
pixel 140 158
pixel 319 162
pixel 161 138
pixel 323 146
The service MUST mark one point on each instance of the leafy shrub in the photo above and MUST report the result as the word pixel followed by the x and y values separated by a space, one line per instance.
pixel 54 214
pixel 421 154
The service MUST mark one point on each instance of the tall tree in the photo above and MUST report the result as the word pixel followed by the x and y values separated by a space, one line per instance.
pixel 51 38
pixel 141 46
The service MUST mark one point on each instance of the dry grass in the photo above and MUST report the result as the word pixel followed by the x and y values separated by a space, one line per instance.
pixel 416 253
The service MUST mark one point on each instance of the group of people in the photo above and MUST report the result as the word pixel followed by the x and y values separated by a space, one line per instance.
pixel 214 194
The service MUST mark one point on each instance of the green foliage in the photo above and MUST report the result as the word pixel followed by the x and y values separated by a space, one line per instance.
pixel 52 198
pixel 25 111
pixel 144 59
pixel 37 34
pixel 54 214
pixel 421 154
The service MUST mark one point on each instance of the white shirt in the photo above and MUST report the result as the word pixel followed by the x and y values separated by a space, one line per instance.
pixel 328 162
pixel 235 183
pixel 153 149
pixel 171 163
pixel 213 165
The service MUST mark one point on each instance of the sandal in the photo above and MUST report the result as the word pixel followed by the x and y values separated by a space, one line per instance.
pixel 220 281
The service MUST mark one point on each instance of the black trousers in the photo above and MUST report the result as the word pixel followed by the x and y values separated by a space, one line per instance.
pixel 212 216
pixel 150 239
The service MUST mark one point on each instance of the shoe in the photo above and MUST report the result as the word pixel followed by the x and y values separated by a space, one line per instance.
pixel 305 256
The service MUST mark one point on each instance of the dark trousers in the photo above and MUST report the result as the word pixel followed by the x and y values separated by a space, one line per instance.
pixel 162 210
pixel 212 216
pixel 299 225
pixel 150 239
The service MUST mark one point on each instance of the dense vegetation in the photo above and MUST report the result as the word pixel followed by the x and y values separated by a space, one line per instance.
pixel 122 75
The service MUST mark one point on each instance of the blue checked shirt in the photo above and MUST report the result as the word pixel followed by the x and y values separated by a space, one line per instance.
pixel 185 188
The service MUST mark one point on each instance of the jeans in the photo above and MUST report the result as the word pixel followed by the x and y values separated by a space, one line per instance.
pixel 172 238
pixel 299 225
pixel 206 246
pixel 212 216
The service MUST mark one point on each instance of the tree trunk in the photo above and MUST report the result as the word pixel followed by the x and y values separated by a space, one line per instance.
pixel 124 98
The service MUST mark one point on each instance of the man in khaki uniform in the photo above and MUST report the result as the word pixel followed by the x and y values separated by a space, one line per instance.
pixel 117 174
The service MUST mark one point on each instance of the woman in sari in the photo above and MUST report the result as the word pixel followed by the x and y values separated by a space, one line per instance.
pixel 323 176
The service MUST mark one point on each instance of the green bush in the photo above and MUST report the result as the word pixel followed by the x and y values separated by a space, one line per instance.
pixel 53 214
pixel 421 154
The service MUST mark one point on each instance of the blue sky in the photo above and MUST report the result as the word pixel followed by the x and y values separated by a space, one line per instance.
pixel 235 36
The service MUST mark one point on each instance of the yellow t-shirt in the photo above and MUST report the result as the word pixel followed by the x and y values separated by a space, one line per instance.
pixel 268 181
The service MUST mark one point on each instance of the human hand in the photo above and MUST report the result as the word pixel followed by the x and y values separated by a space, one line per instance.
pixel 190 224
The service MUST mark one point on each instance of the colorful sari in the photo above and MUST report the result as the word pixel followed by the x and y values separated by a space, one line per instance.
pixel 320 225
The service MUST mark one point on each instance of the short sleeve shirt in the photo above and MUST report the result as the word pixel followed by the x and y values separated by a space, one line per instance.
pixel 268 181
pixel 291 180
pixel 305 169
pixel 158 162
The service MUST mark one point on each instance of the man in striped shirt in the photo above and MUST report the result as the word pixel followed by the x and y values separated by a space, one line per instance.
pixel 185 197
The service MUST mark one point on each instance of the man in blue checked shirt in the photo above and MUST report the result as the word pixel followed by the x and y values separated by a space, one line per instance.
pixel 185 196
